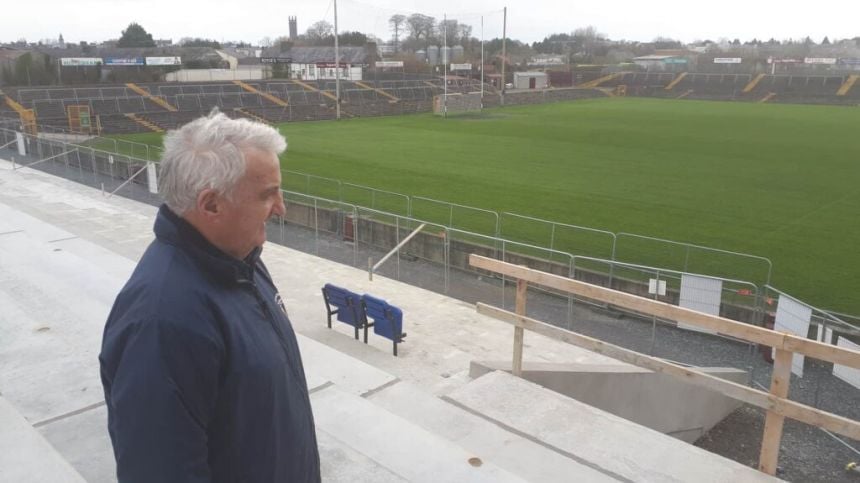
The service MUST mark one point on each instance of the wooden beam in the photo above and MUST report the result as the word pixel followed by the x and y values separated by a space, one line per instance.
pixel 772 436
pixel 519 332
pixel 722 325
pixel 761 399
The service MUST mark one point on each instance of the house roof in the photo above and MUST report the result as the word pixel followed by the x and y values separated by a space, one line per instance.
pixel 312 55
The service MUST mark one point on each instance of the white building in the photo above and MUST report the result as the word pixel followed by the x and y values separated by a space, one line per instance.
pixel 531 80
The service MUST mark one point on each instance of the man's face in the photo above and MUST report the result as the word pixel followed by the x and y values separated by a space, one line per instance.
pixel 256 198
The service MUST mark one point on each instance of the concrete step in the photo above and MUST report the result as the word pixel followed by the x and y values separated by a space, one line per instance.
pixel 25 455
pixel 342 464
pixel 322 363
pixel 54 307
pixel 612 445
pixel 508 450
pixel 404 448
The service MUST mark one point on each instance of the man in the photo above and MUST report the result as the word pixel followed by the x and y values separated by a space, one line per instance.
pixel 201 370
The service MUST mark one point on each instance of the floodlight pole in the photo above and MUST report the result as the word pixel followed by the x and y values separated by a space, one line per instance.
pixel 504 56
pixel 336 66
pixel 482 59
pixel 445 65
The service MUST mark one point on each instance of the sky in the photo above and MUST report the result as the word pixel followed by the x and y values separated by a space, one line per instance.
pixel 527 20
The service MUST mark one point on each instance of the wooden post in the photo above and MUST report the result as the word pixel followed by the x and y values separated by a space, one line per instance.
pixel 773 424
pixel 520 309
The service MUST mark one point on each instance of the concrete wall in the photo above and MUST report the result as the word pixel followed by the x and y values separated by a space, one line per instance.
pixel 657 401
pixel 206 75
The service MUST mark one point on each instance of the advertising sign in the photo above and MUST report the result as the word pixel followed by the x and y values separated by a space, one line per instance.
pixel 80 61
pixel 163 61
pixel 276 60
pixel 727 60
pixel 389 63
pixel 461 66
pixel 820 60
pixel 115 61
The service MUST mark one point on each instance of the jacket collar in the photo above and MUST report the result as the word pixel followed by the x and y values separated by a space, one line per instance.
pixel 172 229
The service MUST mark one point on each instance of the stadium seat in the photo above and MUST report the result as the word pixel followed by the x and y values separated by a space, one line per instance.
pixel 347 306
pixel 387 319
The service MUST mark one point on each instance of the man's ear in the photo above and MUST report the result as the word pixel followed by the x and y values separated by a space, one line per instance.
pixel 209 203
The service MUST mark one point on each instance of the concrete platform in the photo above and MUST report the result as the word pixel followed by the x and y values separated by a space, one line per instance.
pixel 606 442
pixel 27 456
pixel 511 452
pixel 65 251
pixel 408 450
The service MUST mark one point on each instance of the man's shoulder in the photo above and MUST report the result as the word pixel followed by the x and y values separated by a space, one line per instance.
pixel 166 285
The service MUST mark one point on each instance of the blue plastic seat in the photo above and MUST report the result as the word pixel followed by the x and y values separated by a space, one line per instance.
pixel 387 319
pixel 347 306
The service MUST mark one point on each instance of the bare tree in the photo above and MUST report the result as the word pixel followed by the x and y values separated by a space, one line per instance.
pixel 449 29
pixel 319 30
pixel 465 32
pixel 420 26
pixel 396 22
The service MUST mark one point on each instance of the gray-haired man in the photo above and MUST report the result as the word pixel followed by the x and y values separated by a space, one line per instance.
pixel 201 370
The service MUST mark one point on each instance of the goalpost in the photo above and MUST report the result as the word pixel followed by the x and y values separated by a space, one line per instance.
pixel 459 103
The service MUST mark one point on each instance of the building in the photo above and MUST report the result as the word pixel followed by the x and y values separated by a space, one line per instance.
pixel 530 80
pixel 662 63
pixel 318 63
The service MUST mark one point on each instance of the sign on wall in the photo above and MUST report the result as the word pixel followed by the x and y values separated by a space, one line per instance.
pixel 80 61
pixel 793 317
pixel 119 61
pixel 163 61
pixel 461 66
pixel 389 63
pixel 276 60
pixel 820 60
pixel 727 60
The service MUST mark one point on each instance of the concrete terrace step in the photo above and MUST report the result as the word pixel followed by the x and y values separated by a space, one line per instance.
pixel 25 455
pixel 54 307
pixel 509 451
pixel 322 363
pixel 405 449
pixel 617 446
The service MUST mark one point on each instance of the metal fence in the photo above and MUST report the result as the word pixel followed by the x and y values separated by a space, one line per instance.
pixel 110 171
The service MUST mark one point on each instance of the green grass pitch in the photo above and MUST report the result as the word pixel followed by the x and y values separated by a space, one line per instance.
pixel 779 181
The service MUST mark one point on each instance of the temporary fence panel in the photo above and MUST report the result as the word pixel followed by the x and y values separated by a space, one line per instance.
pixel 703 294
pixel 453 215
pixel 378 232
pixel 376 199
pixel 574 239
pixel 692 258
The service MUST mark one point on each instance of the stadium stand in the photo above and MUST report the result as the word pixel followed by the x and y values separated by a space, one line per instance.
pixel 283 100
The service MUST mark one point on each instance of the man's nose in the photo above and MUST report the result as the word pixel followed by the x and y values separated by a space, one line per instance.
pixel 279 208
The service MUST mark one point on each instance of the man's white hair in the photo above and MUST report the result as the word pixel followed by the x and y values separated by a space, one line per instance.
pixel 209 153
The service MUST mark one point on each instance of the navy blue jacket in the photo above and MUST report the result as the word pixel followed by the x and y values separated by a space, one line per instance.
pixel 201 370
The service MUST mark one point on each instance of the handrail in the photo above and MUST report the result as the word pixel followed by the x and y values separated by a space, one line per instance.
pixel 776 403
pixel 393 251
